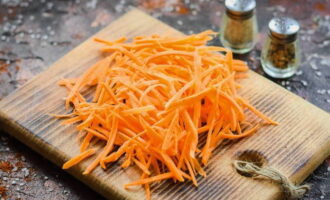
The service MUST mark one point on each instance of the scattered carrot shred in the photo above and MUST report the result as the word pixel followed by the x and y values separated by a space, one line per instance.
pixel 73 161
pixel 153 99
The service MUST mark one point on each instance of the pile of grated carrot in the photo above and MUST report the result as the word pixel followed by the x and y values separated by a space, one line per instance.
pixel 153 99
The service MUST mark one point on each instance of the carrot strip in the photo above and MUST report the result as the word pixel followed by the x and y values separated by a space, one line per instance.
pixel 258 113
pixel 115 156
pixel 110 143
pixel 141 166
pixel 244 134
pixel 77 159
pixel 86 142
pixel 96 133
pixel 171 166
pixel 139 110
pixel 150 180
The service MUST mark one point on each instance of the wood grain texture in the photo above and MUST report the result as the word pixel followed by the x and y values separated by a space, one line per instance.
pixel 295 147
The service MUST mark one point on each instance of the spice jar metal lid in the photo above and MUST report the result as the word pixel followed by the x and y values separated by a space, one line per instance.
pixel 283 28
pixel 240 7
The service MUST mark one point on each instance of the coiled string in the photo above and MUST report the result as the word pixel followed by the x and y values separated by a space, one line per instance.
pixel 290 190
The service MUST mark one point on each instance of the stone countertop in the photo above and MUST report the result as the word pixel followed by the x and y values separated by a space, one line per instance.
pixel 35 33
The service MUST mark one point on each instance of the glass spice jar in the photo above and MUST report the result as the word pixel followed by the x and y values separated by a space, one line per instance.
pixel 239 26
pixel 280 56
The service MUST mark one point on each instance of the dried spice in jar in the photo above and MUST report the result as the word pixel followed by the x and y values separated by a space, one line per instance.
pixel 280 55
pixel 239 25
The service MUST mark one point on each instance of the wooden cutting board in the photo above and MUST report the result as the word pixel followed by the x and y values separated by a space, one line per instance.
pixel 295 147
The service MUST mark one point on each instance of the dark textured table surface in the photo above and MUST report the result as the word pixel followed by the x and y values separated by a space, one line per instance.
pixel 35 33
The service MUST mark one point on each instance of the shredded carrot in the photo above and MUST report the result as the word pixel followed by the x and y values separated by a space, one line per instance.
pixel 151 179
pixel 244 134
pixel 75 160
pixel 154 98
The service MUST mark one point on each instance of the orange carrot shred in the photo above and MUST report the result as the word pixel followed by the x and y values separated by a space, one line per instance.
pixel 150 180
pixel 77 159
pixel 153 100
